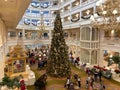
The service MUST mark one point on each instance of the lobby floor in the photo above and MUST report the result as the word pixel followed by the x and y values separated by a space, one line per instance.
pixel 58 83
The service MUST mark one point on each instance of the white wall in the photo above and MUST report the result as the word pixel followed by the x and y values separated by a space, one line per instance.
pixel 2 47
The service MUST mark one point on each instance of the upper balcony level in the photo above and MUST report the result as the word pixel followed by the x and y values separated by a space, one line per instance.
pixel 110 38
pixel 73 10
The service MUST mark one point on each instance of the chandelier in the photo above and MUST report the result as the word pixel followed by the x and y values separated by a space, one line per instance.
pixel 42 26
pixel 107 16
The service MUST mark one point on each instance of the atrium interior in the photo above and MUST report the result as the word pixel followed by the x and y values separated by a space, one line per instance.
pixel 90 29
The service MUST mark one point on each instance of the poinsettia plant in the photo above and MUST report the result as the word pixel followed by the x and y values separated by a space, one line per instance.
pixel 98 67
pixel 117 71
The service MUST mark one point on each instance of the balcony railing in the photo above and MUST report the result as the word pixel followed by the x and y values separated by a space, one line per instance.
pixel 46 40
pixel 63 3
pixel 111 41
pixel 75 7
pixel 89 44
pixel 30 40
pixel 32 15
pixel 65 12
pixel 66 23
pixel 84 3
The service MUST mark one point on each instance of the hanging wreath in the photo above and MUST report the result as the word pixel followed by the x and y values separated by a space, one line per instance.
pixel 75 20
pixel 88 16
pixel 26 22
pixel 35 5
pixel 42 6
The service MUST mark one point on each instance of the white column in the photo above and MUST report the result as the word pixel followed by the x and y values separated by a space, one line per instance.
pixel 100 60
pixel 94 9
pixel 90 56
pixel 90 36
pixel 50 35
pixel 2 66
pixel 81 55
pixel 70 10
pixel 98 56
pixel 69 35
pixel 85 37
pixel 23 33
pixel 76 36
pixel 80 33
pixel 80 14
pixel 80 2
pixel 95 36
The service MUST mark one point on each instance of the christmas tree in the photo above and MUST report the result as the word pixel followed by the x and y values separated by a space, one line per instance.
pixel 58 64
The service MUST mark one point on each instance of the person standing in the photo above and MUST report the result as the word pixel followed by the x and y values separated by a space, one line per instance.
pixel 68 82
pixel 75 77
pixel 100 75
pixel 91 82
pixel 95 76
pixel 87 83
pixel 79 82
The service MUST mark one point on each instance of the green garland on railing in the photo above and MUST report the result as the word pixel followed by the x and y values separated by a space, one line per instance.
pixel 34 24
pixel 35 6
pixel 75 20
pixel 26 23
pixel 44 6
pixel 86 17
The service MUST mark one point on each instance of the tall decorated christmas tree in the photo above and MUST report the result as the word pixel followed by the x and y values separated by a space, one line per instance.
pixel 58 64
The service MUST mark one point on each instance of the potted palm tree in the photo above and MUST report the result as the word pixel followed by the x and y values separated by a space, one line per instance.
pixel 116 60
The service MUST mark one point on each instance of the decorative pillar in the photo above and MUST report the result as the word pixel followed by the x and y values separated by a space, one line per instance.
pixel 70 13
pixel 94 9
pixel 50 34
pixel 76 36
pixel 69 35
pixel 2 66
pixel 100 60
pixel 90 36
pixel 80 34
pixel 23 33
pixel 90 52
pixel 80 2
pixel 98 56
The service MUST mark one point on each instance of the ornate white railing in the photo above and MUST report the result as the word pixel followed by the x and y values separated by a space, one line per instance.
pixel 111 41
pixel 89 44
pixel 82 44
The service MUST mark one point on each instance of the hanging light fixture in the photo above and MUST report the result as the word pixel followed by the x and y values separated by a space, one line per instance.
pixel 42 26
pixel 107 16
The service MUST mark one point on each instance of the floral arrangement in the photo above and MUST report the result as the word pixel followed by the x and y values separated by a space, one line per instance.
pixel 117 71
pixel 104 69
pixel 98 67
